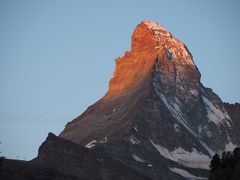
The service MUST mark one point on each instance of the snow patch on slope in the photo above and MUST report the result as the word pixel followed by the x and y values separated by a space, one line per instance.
pixel 134 140
pixel 176 128
pixel 137 158
pixel 104 140
pixel 230 146
pixel 193 159
pixel 216 115
pixel 194 92
pixel 95 142
pixel 135 128
pixel 185 173
pixel 91 144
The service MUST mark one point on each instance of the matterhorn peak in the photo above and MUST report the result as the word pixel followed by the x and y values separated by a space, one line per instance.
pixel 152 37
pixel 156 110
pixel 150 43
pixel 153 26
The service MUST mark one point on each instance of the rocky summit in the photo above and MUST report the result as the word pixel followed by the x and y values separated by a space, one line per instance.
pixel 156 121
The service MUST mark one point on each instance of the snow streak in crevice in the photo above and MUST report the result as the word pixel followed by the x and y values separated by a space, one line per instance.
pixel 175 110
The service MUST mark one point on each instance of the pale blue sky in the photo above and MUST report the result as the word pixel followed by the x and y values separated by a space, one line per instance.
pixel 56 56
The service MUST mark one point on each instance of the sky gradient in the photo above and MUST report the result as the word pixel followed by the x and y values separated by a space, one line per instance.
pixel 57 57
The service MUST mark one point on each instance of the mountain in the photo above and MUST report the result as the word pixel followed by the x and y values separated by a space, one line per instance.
pixel 156 121
pixel 156 110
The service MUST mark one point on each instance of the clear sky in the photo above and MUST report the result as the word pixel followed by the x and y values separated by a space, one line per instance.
pixel 57 56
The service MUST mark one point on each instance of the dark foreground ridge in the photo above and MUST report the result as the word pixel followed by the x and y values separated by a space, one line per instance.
pixel 60 159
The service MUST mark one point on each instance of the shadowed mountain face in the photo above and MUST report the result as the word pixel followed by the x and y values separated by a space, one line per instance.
pixel 234 112
pixel 156 121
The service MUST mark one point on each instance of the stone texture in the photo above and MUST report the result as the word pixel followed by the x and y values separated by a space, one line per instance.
pixel 234 112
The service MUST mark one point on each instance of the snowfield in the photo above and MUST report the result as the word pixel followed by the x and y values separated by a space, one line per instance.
pixel 193 159
pixel 186 174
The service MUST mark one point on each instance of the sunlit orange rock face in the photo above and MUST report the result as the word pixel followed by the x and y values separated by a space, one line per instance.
pixel 153 48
